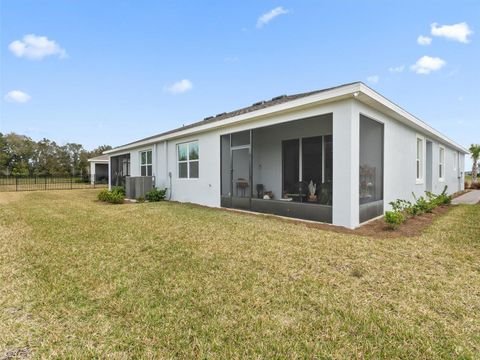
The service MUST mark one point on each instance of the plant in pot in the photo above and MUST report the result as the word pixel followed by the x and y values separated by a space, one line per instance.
pixel 312 189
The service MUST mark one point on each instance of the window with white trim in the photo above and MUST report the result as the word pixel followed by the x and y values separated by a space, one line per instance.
pixel 455 160
pixel 146 163
pixel 419 161
pixel 188 160
pixel 441 163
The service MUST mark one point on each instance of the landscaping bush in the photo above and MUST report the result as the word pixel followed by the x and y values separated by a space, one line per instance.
pixel 118 189
pixel 400 205
pixel 394 219
pixel 444 198
pixel 156 195
pixel 103 195
pixel 422 205
pixel 116 198
pixel 112 197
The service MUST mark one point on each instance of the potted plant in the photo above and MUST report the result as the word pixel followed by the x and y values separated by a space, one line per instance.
pixel 312 189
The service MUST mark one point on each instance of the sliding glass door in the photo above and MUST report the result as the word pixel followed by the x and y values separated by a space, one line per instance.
pixel 307 169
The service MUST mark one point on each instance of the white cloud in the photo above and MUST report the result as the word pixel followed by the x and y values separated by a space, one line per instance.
pixel 179 86
pixel 269 16
pixel 397 69
pixel 373 79
pixel 427 64
pixel 424 40
pixel 35 47
pixel 17 96
pixel 457 32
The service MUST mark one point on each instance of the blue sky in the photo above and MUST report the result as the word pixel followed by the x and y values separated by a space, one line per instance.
pixel 110 72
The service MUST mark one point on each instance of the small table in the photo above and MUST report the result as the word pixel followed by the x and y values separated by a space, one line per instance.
pixel 242 185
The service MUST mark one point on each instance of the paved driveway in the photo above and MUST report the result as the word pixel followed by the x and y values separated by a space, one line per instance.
pixel 472 197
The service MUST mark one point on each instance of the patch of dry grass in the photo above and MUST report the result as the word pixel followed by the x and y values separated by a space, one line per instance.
pixel 160 280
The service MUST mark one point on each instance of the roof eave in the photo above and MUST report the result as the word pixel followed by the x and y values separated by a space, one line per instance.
pixel 405 117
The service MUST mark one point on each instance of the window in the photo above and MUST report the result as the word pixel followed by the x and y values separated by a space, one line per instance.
pixel 146 163
pixel 455 161
pixel 188 160
pixel 419 160
pixel 441 163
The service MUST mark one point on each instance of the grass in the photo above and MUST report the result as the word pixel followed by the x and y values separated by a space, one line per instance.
pixel 81 279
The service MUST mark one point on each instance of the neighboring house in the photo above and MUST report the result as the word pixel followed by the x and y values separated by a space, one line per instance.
pixel 99 169
pixel 360 149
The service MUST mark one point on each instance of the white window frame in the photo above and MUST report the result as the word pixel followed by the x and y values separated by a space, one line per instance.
pixel 455 160
pixel 146 151
pixel 441 163
pixel 188 161
pixel 419 160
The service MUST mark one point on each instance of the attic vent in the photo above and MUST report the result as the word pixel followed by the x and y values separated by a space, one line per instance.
pixel 279 97
pixel 259 103
pixel 221 114
pixel 208 118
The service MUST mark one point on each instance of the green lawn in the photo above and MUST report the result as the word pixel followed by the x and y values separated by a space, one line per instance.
pixel 81 279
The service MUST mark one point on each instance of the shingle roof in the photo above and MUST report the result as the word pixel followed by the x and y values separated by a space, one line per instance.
pixel 256 106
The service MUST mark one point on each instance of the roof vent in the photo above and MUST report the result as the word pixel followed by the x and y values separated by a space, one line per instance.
pixel 208 118
pixel 221 114
pixel 279 97
pixel 259 103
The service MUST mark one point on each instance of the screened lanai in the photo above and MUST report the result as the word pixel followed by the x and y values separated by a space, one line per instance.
pixel 283 169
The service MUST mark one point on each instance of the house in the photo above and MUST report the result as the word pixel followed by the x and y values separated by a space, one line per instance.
pixel 337 155
pixel 99 169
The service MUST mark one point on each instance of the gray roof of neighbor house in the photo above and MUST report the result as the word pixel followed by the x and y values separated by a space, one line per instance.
pixel 225 115
pixel 100 158
pixel 357 89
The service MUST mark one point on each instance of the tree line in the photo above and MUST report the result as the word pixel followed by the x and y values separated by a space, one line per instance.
pixel 20 155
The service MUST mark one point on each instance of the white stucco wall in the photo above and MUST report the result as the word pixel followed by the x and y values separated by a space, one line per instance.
pixel 399 158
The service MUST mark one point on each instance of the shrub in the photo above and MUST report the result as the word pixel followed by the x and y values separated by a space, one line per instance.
pixel 118 189
pixel 394 219
pixel 443 198
pixel 156 195
pixel 400 205
pixel 141 199
pixel 116 198
pixel 111 197
pixel 422 205
pixel 103 195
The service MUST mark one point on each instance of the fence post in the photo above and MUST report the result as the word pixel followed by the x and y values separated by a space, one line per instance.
pixel 71 182
pixel 16 183
pixel 45 183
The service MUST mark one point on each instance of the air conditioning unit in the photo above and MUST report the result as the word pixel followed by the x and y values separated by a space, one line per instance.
pixel 138 186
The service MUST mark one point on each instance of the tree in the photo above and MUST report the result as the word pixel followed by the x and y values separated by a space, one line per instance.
pixel 19 150
pixel 475 153
pixel 20 155
pixel 4 157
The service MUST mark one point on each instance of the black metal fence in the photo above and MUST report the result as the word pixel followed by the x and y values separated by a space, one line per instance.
pixel 50 182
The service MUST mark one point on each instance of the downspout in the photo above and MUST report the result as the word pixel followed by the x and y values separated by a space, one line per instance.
pixel 109 173
pixel 169 173
pixel 155 161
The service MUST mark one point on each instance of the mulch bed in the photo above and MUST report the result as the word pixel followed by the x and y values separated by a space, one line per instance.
pixel 377 228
